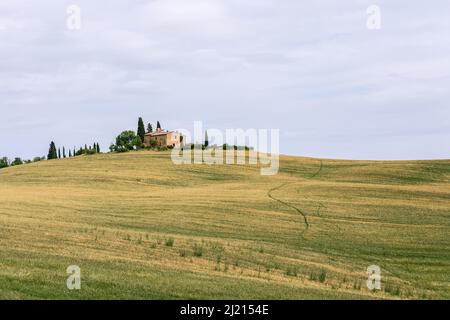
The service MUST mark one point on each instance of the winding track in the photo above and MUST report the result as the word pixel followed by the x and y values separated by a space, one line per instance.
pixel 303 214
pixel 269 193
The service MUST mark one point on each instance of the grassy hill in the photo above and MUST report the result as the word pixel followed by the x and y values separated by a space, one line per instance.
pixel 140 227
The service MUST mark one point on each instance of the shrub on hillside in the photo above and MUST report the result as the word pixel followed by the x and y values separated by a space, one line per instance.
pixel 120 149
pixel 4 162
pixel 17 162
pixel 91 151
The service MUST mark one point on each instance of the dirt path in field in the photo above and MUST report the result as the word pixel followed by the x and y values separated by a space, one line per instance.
pixel 269 193
pixel 287 204
pixel 318 171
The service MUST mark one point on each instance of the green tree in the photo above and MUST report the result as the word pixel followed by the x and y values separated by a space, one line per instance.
pixel 141 129
pixel 206 139
pixel 70 153
pixel 127 140
pixel 149 128
pixel 64 152
pixel 158 125
pixel 52 153
pixel 17 162
pixel 4 162
pixel 59 153
pixel 98 148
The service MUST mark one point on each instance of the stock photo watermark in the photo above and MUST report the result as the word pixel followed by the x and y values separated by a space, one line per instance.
pixel 232 146
pixel 73 21
pixel 373 17
pixel 374 279
pixel 74 280
pixel 373 282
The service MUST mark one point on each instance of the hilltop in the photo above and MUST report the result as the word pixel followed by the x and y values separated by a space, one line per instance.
pixel 141 227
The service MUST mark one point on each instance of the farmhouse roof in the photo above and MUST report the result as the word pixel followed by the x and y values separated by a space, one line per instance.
pixel 162 133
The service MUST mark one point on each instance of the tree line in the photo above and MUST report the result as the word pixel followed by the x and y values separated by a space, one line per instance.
pixel 53 153
pixel 125 141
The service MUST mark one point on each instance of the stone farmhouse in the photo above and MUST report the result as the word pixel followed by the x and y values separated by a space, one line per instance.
pixel 163 138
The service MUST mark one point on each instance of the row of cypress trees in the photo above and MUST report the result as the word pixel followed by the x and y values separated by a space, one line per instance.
pixel 55 153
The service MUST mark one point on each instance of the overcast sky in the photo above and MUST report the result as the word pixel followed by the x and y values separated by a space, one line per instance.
pixel 313 69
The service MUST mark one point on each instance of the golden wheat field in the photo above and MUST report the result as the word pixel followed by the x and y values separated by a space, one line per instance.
pixel 140 227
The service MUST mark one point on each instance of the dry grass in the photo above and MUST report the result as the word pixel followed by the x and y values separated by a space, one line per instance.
pixel 134 223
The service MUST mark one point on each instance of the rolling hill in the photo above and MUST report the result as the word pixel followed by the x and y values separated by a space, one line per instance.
pixel 141 227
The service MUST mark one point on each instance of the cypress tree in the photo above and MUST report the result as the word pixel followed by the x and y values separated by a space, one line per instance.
pixel 149 128
pixel 64 152
pixel 52 152
pixel 158 125
pixel 206 139
pixel 98 148
pixel 70 153
pixel 141 129
pixel 49 155
pixel 59 153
